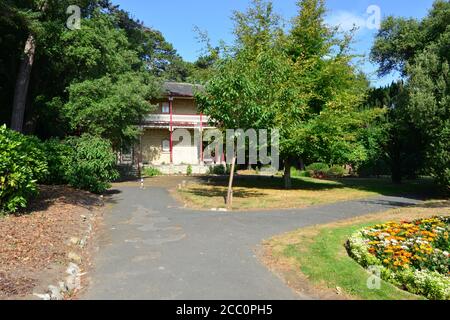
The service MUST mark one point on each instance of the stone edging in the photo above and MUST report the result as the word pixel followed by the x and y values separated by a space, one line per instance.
pixel 72 282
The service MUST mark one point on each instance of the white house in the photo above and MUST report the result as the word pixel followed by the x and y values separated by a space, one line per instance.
pixel 160 146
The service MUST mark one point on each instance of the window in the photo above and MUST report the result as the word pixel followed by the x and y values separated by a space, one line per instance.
pixel 166 145
pixel 165 108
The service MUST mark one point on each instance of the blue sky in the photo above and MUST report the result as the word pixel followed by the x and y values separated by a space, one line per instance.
pixel 176 19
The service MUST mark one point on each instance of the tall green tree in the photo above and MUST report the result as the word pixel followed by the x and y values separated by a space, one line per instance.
pixel 111 89
pixel 203 69
pixel 62 59
pixel 12 31
pixel 429 105
pixel 40 22
pixel 243 92
pixel 321 118
pixel 401 144
pixel 302 83
pixel 421 51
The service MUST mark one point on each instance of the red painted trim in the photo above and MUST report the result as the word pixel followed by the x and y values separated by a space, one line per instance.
pixel 171 130
pixel 176 114
pixel 201 137
pixel 186 114
pixel 167 124
pixel 217 156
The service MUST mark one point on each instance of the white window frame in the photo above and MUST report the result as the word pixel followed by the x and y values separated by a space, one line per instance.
pixel 165 145
pixel 165 107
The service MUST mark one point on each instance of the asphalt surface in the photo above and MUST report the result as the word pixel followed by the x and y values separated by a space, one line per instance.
pixel 152 249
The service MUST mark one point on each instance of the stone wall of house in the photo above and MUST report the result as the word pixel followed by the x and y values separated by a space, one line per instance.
pixel 152 149
pixel 180 106
pixel 184 106
pixel 181 169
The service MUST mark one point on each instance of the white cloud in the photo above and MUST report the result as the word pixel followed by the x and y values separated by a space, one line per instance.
pixel 346 20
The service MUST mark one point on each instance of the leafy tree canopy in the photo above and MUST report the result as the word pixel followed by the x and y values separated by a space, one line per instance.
pixel 111 49
pixel 400 39
pixel 301 82
pixel 421 50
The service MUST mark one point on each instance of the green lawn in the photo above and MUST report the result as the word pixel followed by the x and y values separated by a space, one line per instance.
pixel 314 259
pixel 252 192
pixel 325 260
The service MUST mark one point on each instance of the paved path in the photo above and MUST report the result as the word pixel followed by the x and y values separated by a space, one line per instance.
pixel 151 249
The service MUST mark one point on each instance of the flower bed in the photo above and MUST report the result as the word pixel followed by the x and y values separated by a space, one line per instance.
pixel 411 255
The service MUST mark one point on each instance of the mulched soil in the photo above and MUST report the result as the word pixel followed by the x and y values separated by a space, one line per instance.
pixel 34 244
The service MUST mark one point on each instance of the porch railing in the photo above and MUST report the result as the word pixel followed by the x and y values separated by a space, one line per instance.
pixel 177 120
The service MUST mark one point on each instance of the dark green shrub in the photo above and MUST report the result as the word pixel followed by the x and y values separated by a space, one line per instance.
pixel 189 170
pixel 318 166
pixel 318 170
pixel 295 173
pixel 374 168
pixel 221 169
pixel 218 170
pixel 152 172
pixel 92 165
pixel 305 174
pixel 228 169
pixel 22 164
pixel 336 171
pixel 58 156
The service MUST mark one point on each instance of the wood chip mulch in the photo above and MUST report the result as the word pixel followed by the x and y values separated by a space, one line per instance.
pixel 34 244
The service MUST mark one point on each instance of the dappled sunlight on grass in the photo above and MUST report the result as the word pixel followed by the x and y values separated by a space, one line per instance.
pixel 257 192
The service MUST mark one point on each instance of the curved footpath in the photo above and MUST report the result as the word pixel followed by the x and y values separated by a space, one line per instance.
pixel 151 249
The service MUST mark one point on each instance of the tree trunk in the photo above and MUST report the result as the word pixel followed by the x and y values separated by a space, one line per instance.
pixel 22 83
pixel 396 173
pixel 287 174
pixel 30 118
pixel 230 185
pixel 302 164
pixel 396 163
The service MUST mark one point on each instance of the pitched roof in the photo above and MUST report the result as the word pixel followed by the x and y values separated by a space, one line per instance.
pixel 178 89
